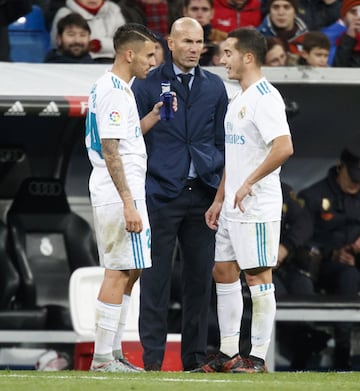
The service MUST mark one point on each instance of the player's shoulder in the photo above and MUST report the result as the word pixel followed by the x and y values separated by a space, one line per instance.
pixel 110 81
pixel 263 87
pixel 109 85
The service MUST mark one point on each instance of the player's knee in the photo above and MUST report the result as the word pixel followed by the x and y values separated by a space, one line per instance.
pixel 225 272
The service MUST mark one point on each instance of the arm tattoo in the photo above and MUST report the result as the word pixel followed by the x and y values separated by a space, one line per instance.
pixel 115 167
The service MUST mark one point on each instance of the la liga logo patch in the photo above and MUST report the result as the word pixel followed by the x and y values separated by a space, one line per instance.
pixel 114 116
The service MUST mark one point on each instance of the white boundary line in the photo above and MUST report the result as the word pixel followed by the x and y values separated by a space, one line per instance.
pixel 123 377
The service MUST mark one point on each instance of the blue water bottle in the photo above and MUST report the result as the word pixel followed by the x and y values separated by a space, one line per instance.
pixel 166 110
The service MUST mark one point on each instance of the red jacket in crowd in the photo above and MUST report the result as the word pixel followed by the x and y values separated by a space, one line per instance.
pixel 227 18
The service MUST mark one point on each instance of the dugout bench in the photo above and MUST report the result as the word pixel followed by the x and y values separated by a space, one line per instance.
pixel 316 310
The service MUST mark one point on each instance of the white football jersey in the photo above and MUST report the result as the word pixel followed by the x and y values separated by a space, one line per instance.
pixel 254 119
pixel 112 114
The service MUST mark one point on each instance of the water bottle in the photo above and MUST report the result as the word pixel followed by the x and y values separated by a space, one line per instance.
pixel 166 110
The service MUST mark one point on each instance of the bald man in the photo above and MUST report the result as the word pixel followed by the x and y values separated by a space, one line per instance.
pixel 185 164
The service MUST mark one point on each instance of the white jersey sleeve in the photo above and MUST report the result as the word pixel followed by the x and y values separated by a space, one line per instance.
pixel 270 115
pixel 113 115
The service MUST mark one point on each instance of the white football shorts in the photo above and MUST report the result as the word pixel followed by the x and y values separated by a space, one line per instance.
pixel 252 245
pixel 119 249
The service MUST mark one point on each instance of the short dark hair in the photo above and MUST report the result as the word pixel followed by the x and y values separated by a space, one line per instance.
pixel 315 39
pixel 250 40
pixel 187 3
pixel 73 19
pixel 132 32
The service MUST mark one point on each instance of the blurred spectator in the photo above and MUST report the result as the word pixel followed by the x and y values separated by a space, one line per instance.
pixel 161 50
pixel 203 11
pixel 319 13
pixel 316 49
pixel 160 14
pixel 10 10
pixel 103 17
pixel 132 11
pixel 344 36
pixel 334 206
pixel 218 53
pixel 294 273
pixel 50 8
pixel 283 22
pixel 73 38
pixel 276 55
pixel 231 14
pixel 156 12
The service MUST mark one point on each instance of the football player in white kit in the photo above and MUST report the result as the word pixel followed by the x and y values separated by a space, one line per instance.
pixel 117 153
pixel 246 211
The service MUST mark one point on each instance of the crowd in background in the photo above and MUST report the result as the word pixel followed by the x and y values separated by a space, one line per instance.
pixel 300 32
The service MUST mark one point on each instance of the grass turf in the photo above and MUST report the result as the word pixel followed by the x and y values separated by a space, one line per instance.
pixel 177 381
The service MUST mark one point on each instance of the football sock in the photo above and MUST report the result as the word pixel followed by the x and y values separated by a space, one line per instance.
pixel 107 321
pixel 230 308
pixel 263 315
pixel 117 348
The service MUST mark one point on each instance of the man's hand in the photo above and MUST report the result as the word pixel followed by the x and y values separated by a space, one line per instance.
pixel 212 215
pixel 283 253
pixel 356 246
pixel 157 106
pixel 245 190
pixel 344 255
pixel 133 221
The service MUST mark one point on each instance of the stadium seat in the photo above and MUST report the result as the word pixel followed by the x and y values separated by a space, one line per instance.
pixel 12 315
pixel 29 38
pixel 86 282
pixel 48 242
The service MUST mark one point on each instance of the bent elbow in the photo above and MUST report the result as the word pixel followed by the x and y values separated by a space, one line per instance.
pixel 290 150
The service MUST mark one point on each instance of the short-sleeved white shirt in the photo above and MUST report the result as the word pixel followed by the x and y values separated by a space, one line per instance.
pixel 112 114
pixel 254 119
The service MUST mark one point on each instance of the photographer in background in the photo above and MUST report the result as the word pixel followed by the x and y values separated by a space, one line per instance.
pixel 334 206
pixel 10 10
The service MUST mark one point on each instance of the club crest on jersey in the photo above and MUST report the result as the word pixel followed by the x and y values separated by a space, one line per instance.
pixel 242 112
pixel 137 131
pixel 114 117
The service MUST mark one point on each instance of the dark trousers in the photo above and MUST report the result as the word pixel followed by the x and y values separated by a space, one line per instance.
pixel 342 281
pixel 181 218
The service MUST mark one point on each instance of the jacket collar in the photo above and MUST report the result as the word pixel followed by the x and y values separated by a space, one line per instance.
pixel 167 73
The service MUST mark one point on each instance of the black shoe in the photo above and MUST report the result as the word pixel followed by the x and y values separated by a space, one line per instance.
pixel 156 367
pixel 215 364
pixel 245 365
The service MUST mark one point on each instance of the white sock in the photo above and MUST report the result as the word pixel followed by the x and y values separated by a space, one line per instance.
pixel 117 348
pixel 107 321
pixel 263 315
pixel 230 308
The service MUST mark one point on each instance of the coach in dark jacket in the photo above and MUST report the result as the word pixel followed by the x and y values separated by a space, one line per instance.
pixel 185 165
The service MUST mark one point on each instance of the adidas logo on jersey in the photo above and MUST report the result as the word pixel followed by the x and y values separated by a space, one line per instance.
pixel 17 109
pixel 51 110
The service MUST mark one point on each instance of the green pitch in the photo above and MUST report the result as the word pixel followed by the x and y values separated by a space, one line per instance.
pixel 176 381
